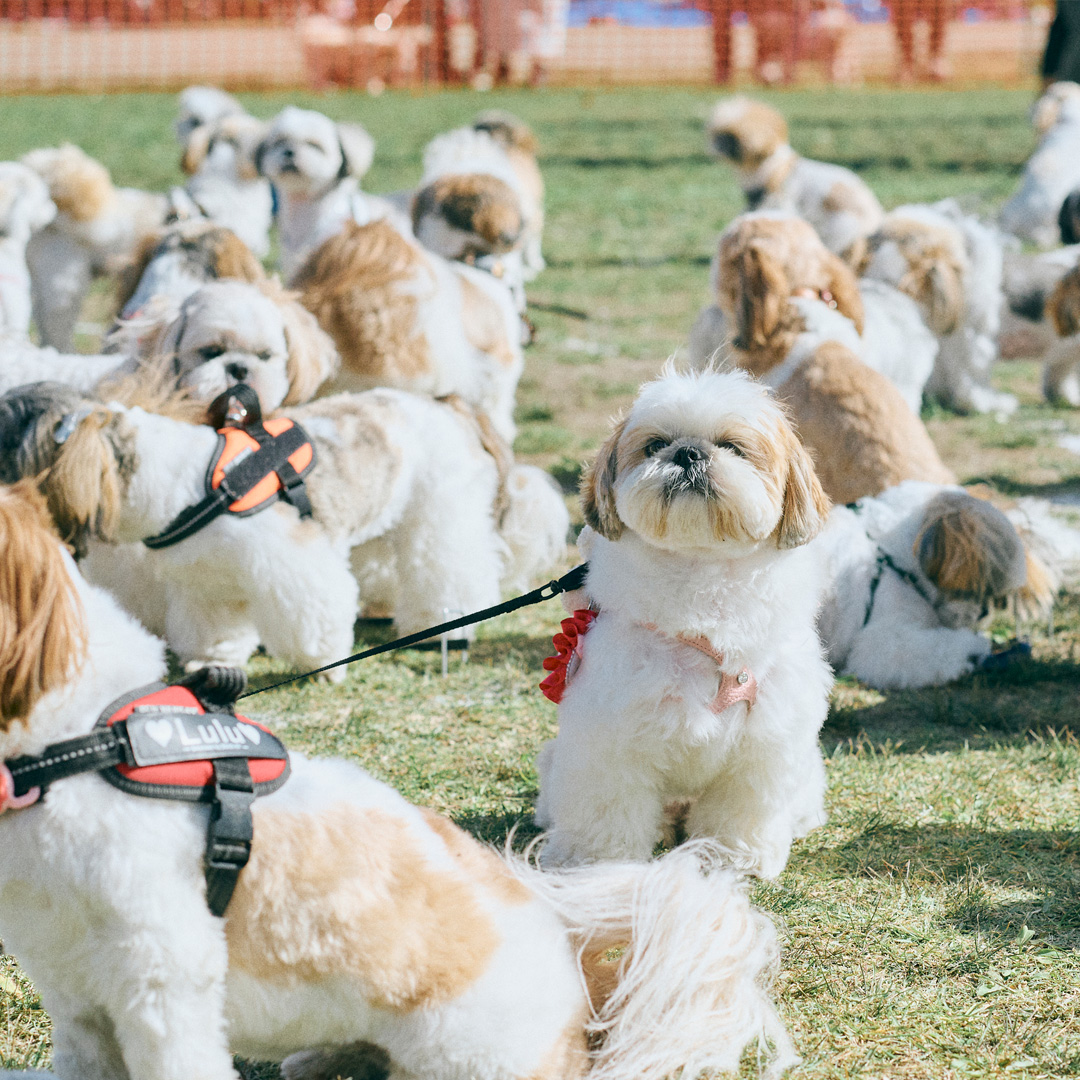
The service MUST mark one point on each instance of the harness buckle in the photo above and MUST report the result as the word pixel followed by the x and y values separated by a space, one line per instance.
pixel 231 830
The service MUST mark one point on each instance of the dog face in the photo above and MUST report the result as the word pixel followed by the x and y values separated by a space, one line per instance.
pixel 765 259
pixel 201 106
pixel 225 148
pixel 229 332
pixel 43 638
pixel 705 462
pixel 972 554
pixel 467 215
pixel 306 153
pixel 25 205
pixel 510 132
pixel 745 132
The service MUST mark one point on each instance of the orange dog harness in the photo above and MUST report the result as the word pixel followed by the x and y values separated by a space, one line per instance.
pixel 254 464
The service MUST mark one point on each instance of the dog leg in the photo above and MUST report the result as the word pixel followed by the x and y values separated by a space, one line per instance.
pixel 60 274
pixel 892 657
pixel 204 631
pixel 84 1044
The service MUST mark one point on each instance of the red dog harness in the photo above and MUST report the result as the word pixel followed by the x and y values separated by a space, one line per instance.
pixel 167 742
pixel 569 651
pixel 254 464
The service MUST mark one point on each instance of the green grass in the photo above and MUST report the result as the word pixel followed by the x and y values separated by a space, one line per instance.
pixel 932 927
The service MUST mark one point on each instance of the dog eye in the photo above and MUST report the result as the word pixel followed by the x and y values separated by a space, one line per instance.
pixel 211 352
pixel 264 354
pixel 654 446
pixel 723 444
pixel 314 143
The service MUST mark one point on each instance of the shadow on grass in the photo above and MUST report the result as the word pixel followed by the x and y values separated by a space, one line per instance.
pixel 494 828
pixel 1030 698
pixel 967 862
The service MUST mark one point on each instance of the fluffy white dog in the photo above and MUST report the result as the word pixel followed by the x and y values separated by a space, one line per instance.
pixel 1052 172
pixel 913 571
pixel 838 203
pixel 316 166
pixel 398 477
pixel 702 678
pixel 360 922
pixel 952 266
pixel 201 105
pixel 98 229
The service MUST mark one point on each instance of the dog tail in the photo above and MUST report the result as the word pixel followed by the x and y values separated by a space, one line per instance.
pixel 1052 546
pixel 677 963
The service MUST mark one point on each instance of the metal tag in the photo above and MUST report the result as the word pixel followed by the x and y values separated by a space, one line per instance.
pixel 162 734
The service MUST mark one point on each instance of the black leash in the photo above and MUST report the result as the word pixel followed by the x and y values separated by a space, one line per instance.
pixel 567 583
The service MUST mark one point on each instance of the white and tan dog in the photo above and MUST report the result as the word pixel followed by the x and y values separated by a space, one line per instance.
pixel 201 105
pixel 98 229
pixel 360 922
pixel 754 138
pixel 1061 365
pixel 316 166
pixel 403 316
pixel 1052 171
pixel 952 266
pixel 701 678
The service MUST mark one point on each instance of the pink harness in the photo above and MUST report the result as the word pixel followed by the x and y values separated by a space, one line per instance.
pixel 569 651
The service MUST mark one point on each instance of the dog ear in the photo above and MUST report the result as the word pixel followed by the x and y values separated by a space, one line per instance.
pixel 806 506
pixel 313 357
pixel 944 293
pixel 598 488
pixel 42 636
pixel 763 292
pixel 357 149
pixel 196 147
pixel 1063 307
pixel 845 290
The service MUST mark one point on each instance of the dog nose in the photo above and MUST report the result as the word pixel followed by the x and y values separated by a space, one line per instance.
pixel 237 371
pixel 687 456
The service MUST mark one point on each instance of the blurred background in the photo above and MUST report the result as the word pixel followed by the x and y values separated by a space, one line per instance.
pixel 373 44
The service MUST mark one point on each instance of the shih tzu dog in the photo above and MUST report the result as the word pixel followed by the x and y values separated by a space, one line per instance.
pixel 913 571
pixel 786 258
pixel 223 182
pixel 861 433
pixel 952 266
pixel 754 138
pixel 403 490
pixel 199 106
pixel 403 316
pixel 701 677
pixel 1052 171
pixel 98 229
pixel 315 166
pixel 361 929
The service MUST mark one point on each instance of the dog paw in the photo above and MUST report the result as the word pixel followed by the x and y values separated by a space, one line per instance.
pixel 357 1061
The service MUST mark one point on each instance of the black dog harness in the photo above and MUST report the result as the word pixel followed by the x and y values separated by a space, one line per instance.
pixel 180 742
pixel 254 464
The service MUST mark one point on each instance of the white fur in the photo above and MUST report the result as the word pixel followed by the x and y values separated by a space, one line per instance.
pixel 102 899
pixel 199 105
pixel 1052 171
pixel 635 730
pixel 303 155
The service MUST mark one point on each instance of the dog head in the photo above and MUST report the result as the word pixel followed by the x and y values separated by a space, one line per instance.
pixel 228 332
pixel 25 205
pixel 510 132
pixel 705 462
pixel 1059 102
pixel 225 148
pixel 765 259
pixel 80 187
pixel 925 259
pixel 200 106
pixel 971 553
pixel 745 132
pixel 42 635
pixel 467 215
pixel 306 153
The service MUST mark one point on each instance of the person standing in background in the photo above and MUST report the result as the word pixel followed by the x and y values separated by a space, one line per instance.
pixel 1061 59
pixel 905 13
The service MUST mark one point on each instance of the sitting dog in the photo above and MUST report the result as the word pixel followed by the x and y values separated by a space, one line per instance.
pixel 402 316
pixel 315 166
pixel 952 266
pixel 1052 171
pixel 754 138
pixel 98 230
pixel 360 925
pixel 701 677
pixel 776 256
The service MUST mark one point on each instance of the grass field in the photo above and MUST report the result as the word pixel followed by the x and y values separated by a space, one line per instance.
pixel 932 928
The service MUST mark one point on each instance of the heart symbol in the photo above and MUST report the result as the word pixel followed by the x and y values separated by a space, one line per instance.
pixel 161 731
pixel 254 736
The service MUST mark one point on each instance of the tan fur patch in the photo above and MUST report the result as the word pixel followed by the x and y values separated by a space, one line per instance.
pixel 568 1059
pixel 476 203
pixel 494 445
pixel 845 197
pixel 198 142
pixel 42 636
pixel 598 487
pixel 484 325
pixel 80 186
pixel 755 129
pixel 1063 307
pixel 861 434
pixel 349 893
pixel 355 285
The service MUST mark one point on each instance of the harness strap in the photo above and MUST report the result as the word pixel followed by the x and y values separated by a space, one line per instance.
pixel 101 749
pixel 231 831
pixel 885 562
